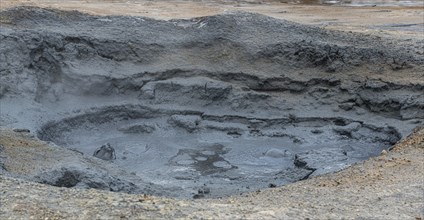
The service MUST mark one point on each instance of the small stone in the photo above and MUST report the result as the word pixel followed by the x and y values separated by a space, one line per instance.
pixel 276 153
pixel 204 190
pixel 105 152
pixel 316 131
pixel 299 162
pixel 347 106
pixel 376 85
pixel 21 130
pixel 198 196
pixel 187 122
pixel 360 111
pixel 348 129
pixel 335 109
pixel 297 141
pixel 359 101
pixel 383 153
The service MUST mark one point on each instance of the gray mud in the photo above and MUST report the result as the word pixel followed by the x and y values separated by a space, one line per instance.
pixel 207 107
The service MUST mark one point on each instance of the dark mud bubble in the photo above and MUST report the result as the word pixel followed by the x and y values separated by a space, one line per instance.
pixel 207 107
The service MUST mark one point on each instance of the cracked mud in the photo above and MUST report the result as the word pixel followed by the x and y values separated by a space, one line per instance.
pixel 207 107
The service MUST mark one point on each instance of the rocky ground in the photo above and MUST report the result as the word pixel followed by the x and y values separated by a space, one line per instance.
pixel 181 106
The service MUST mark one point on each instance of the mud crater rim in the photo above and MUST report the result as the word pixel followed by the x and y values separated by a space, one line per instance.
pixel 207 150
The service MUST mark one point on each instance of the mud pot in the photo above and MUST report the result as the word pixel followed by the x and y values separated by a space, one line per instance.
pixel 206 107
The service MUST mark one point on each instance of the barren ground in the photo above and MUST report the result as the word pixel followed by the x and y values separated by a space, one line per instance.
pixel 374 20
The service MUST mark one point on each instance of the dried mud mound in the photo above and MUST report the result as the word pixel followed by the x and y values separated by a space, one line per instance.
pixel 205 107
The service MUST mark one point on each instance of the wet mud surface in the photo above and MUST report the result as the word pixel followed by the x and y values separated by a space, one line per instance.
pixel 205 107
pixel 226 154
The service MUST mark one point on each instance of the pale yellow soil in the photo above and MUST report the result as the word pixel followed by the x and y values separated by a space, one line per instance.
pixel 355 18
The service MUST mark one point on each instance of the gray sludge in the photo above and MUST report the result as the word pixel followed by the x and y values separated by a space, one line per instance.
pixel 206 107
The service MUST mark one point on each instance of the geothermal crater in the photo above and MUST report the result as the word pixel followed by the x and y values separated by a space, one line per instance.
pixel 207 107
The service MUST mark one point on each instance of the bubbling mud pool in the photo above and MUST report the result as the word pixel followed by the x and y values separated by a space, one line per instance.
pixel 225 154
pixel 205 107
